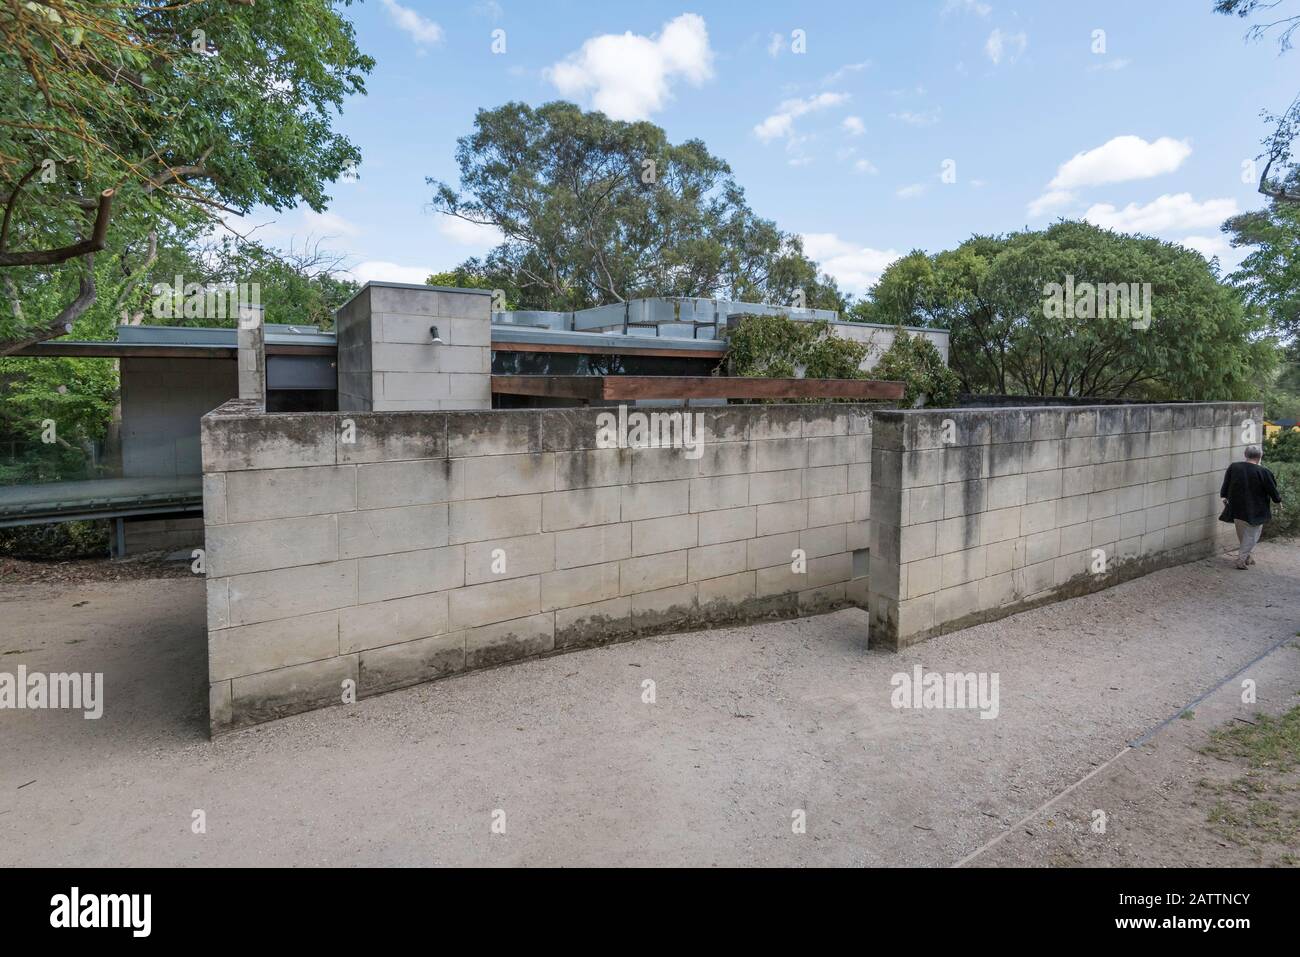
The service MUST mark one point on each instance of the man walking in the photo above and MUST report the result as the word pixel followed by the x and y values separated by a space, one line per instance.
pixel 1247 489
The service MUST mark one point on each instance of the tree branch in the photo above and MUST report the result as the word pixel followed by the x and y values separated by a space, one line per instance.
pixel 51 257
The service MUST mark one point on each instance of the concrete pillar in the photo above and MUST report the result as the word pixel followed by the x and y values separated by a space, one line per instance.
pixel 388 359
pixel 251 340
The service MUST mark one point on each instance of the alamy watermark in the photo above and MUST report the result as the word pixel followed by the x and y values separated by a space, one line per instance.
pixel 651 430
pixel 1102 300
pixel 129 911
pixel 76 690
pixel 946 691
pixel 193 300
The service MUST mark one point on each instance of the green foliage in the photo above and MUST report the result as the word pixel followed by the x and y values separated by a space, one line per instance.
pixel 1286 517
pixel 183 109
pixel 585 221
pixel 78 395
pixel 1269 276
pixel 297 286
pixel 991 292
pixel 62 541
pixel 463 278
pixel 778 347
pixel 916 361
pixel 1282 446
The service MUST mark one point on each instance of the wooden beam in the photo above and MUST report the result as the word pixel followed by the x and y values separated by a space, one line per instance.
pixel 746 387
pixel 549 386
pixel 628 387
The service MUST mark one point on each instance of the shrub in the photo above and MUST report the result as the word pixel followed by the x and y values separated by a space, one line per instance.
pixel 1286 517
pixel 62 540
pixel 916 361
pixel 777 347
pixel 1283 446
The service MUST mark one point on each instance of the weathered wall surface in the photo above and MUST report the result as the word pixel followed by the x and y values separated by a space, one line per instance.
pixel 879 338
pixel 388 362
pixel 977 514
pixel 438 542
pixel 162 402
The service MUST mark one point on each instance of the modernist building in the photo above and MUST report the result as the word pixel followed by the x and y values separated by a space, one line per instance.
pixel 172 375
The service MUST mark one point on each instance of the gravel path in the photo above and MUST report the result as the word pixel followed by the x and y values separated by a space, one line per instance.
pixel 749 726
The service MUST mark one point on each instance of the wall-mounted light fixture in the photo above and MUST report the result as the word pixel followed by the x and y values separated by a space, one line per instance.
pixel 433 334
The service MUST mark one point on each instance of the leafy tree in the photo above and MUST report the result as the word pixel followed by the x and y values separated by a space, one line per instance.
pixel 126 118
pixel 594 210
pixel 916 361
pixel 464 277
pixel 1280 178
pixel 992 293
pixel 296 286
pixel 76 395
pixel 1269 276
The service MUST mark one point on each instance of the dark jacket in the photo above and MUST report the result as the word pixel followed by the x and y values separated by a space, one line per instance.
pixel 1249 488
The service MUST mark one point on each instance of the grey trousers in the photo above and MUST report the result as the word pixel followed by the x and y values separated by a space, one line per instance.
pixel 1247 538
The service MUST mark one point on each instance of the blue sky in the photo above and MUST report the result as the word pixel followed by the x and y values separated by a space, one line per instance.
pixel 847 142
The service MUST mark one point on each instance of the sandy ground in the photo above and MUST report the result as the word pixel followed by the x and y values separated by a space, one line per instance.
pixel 749 726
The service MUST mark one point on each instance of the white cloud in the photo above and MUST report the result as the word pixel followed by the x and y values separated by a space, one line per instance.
pixel 1209 246
pixel 912 191
pixel 865 166
pixel 379 271
pixel 967 6
pixel 925 118
pixel 464 233
pixel 853 125
pixel 420 29
pixel 630 77
pixel 775 45
pixel 855 268
pixel 1169 213
pixel 1052 199
pixel 1009 45
pixel 781 123
pixel 1121 160
pixel 830 79
pixel 328 224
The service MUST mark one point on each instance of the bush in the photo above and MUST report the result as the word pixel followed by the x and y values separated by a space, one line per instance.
pixel 916 361
pixel 1282 446
pixel 1286 517
pixel 61 541
pixel 778 347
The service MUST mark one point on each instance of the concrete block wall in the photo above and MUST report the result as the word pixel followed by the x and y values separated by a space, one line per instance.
pixel 388 362
pixel 980 513
pixel 250 339
pixel 439 542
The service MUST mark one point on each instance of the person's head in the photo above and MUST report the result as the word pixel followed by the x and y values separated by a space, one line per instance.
pixel 1254 453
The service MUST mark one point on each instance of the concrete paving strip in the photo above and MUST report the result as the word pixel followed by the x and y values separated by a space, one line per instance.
pixel 749 727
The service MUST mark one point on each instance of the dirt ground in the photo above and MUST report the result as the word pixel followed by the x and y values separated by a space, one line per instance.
pixel 749 727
